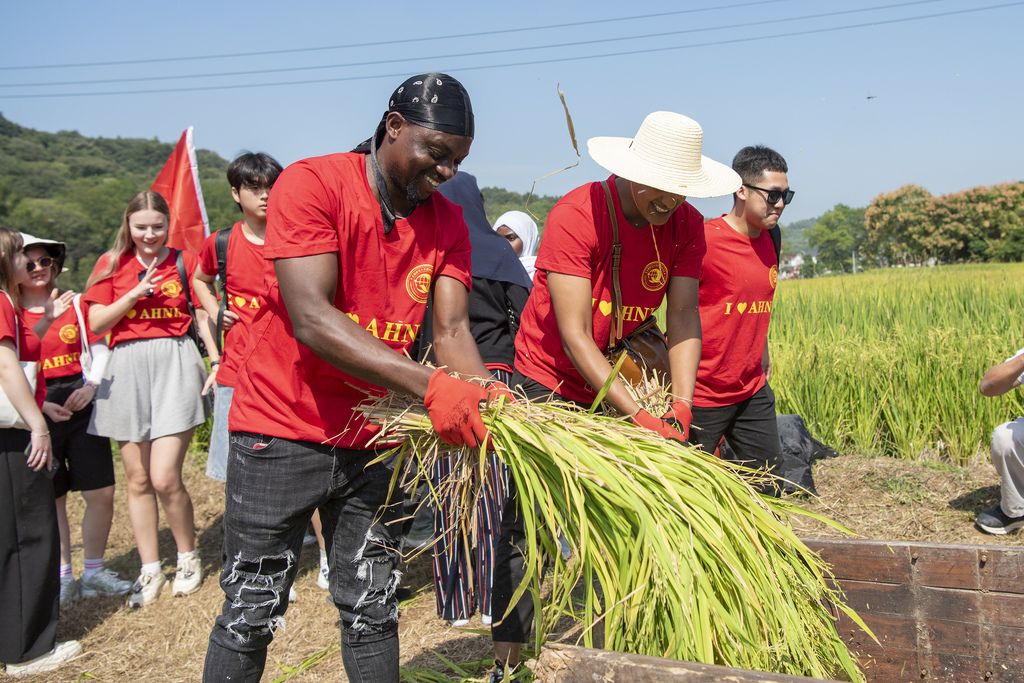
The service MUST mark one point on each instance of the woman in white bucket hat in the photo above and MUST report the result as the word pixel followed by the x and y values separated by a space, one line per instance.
pixel 567 324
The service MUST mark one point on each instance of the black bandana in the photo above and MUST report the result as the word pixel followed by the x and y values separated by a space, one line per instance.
pixel 435 101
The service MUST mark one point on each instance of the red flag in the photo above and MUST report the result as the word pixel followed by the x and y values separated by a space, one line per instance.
pixel 178 182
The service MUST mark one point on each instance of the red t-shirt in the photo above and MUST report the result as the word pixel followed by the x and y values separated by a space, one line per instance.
pixel 578 241
pixel 27 342
pixel 62 343
pixel 736 292
pixel 324 205
pixel 164 314
pixel 247 270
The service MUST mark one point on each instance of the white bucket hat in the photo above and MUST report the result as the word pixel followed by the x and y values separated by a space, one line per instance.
pixel 665 154
pixel 58 250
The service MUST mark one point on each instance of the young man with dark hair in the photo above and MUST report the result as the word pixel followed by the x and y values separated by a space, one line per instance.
pixel 359 241
pixel 732 397
pixel 238 251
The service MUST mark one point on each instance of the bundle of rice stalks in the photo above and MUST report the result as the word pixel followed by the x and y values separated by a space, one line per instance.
pixel 672 552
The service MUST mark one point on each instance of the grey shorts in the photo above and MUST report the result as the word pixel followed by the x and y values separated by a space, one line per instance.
pixel 151 389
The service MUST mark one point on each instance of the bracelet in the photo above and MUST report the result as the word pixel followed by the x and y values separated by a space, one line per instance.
pixel 687 401
pixel 214 363
pixel 41 433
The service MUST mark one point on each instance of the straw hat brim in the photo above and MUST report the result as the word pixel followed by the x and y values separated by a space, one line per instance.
pixel 714 179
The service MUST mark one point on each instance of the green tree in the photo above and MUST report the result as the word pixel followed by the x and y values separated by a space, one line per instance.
pixel 837 235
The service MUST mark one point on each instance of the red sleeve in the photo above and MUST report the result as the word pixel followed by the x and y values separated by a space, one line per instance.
pixel 457 260
pixel 301 215
pixel 103 291
pixel 8 329
pixel 570 240
pixel 690 247
pixel 93 338
pixel 208 256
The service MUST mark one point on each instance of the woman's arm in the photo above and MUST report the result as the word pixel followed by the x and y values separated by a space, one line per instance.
pixel 571 301
pixel 103 317
pixel 19 393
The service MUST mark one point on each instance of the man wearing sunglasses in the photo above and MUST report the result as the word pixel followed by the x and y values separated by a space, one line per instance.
pixel 732 398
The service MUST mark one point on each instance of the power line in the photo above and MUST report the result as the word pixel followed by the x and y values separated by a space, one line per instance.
pixel 492 51
pixel 625 53
pixel 321 48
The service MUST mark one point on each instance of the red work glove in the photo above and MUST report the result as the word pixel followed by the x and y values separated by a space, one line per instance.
pixel 680 416
pixel 496 390
pixel 454 408
pixel 659 427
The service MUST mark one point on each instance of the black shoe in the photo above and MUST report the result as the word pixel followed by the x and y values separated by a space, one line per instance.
pixel 995 521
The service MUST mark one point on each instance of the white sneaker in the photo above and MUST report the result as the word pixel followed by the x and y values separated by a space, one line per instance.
pixel 323 577
pixel 292 595
pixel 146 589
pixel 68 591
pixel 103 583
pixel 189 576
pixel 48 662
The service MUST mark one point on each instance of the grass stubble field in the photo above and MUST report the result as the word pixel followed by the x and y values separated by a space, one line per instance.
pixel 883 366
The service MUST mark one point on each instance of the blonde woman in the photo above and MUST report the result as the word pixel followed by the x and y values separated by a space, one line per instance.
pixel 29 549
pixel 149 398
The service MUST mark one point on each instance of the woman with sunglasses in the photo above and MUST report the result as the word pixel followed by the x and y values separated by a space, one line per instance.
pixel 29 547
pixel 149 399
pixel 73 367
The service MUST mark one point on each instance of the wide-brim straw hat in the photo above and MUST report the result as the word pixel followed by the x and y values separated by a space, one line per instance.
pixel 666 154
pixel 57 250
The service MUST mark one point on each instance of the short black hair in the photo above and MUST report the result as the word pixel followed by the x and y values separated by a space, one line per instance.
pixel 752 161
pixel 253 169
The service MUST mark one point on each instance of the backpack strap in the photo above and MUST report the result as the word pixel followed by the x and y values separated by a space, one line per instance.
pixel 776 236
pixel 221 247
pixel 186 290
pixel 617 316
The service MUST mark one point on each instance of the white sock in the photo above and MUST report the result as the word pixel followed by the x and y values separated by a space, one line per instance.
pixel 151 567
pixel 186 556
pixel 92 566
pixel 323 558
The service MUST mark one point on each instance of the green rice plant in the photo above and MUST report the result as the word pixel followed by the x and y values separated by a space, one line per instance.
pixel 673 553
pixel 888 362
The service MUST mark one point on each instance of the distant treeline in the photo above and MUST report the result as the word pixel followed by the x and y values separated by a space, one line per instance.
pixel 72 188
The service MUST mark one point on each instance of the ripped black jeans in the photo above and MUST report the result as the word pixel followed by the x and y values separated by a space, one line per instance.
pixel 273 486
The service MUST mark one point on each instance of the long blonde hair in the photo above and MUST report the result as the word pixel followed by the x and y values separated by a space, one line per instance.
pixel 143 201
pixel 10 244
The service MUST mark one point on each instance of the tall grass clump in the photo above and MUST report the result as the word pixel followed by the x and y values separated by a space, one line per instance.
pixel 673 554
pixel 888 362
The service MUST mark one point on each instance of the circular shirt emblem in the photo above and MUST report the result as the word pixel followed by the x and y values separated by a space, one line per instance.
pixel 417 282
pixel 171 288
pixel 773 276
pixel 655 276
pixel 68 334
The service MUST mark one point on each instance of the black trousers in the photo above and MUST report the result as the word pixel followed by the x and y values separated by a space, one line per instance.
pixel 749 426
pixel 29 555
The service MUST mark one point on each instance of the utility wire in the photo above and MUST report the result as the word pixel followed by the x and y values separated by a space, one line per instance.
pixel 478 53
pixel 321 48
pixel 625 53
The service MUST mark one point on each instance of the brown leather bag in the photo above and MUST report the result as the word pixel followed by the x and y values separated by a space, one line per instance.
pixel 645 347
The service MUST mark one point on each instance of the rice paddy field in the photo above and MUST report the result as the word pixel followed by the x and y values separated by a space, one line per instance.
pixel 888 362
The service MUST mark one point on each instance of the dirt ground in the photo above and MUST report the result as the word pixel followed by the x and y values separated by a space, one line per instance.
pixel 875 497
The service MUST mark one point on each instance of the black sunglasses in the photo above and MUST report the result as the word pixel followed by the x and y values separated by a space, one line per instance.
pixel 44 262
pixel 773 196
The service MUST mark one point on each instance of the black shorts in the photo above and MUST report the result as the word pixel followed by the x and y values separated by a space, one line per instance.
pixel 85 461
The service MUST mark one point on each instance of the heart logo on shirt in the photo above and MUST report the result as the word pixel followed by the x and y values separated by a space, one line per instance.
pixel 605 307
pixel 742 306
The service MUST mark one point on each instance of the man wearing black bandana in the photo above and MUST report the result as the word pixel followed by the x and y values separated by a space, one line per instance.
pixel 358 242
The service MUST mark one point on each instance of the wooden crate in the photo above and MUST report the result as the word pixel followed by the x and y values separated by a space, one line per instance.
pixel 940 613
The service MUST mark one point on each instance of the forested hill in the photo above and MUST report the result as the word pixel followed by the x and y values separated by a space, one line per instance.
pixel 73 188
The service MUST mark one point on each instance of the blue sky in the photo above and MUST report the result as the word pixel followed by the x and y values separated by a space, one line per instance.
pixel 945 111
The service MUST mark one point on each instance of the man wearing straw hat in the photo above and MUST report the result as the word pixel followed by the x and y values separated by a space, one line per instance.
pixel 359 241
pixel 733 398
pixel 568 325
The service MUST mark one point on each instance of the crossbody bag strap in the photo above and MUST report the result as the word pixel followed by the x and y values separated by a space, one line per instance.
pixel 83 333
pixel 221 247
pixel 617 317
pixel 16 328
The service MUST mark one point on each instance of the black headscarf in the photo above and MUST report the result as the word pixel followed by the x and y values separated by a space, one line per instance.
pixel 493 256
pixel 436 101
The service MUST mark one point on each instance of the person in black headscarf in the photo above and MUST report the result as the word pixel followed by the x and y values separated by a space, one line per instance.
pixel 500 290
pixel 359 241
